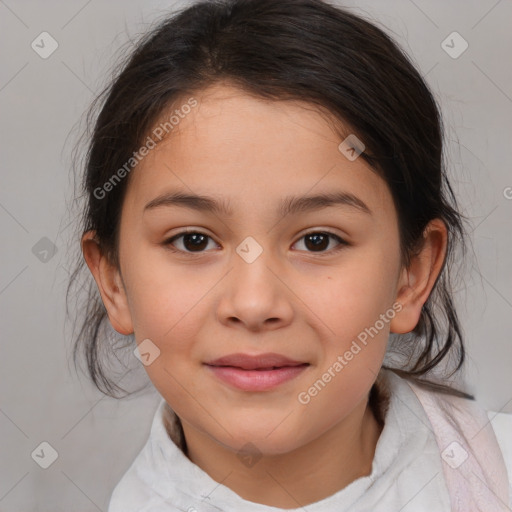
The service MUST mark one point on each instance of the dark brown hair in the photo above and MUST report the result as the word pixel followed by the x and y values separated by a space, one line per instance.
pixel 305 50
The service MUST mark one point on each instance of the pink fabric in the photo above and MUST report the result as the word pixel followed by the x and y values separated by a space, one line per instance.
pixel 473 465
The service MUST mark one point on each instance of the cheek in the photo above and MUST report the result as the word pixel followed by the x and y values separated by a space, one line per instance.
pixel 353 352
pixel 353 296
pixel 164 298
pixel 357 309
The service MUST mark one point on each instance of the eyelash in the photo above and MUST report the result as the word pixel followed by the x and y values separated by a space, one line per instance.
pixel 168 243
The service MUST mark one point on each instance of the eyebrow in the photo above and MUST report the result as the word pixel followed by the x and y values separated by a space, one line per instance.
pixel 288 206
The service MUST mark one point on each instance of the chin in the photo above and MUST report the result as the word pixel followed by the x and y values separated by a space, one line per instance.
pixel 258 436
pixel 245 445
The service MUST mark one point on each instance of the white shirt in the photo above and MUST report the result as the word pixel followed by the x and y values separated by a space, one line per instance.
pixel 406 475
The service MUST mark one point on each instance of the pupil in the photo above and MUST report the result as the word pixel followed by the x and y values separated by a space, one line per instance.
pixel 319 240
pixel 198 241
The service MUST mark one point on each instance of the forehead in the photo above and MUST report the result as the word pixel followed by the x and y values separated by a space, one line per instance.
pixel 237 146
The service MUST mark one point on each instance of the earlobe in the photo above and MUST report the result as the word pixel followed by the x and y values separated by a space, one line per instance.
pixel 109 283
pixel 408 316
pixel 418 279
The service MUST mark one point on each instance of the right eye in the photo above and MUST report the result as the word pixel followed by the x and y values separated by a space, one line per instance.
pixel 190 241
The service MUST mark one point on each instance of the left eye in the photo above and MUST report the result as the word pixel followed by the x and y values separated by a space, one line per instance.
pixel 197 242
pixel 318 241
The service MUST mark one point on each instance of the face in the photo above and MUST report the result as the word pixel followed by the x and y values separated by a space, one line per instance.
pixel 303 283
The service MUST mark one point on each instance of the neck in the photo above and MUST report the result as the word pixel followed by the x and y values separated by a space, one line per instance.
pixel 306 475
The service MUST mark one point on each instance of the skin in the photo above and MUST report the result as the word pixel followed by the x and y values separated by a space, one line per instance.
pixel 306 304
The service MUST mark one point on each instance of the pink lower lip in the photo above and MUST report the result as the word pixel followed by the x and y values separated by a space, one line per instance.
pixel 256 380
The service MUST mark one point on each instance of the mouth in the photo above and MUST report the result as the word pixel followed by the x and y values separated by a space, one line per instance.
pixel 256 373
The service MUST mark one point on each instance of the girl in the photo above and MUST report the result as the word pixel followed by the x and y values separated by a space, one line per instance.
pixel 269 216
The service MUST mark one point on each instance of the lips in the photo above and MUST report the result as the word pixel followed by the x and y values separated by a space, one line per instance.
pixel 261 372
pixel 268 361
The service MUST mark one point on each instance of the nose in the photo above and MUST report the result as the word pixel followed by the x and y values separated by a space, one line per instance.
pixel 255 296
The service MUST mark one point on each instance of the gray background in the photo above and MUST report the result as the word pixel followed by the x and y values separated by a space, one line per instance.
pixel 41 102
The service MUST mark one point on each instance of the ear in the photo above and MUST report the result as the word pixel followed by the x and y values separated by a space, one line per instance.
pixel 109 282
pixel 417 280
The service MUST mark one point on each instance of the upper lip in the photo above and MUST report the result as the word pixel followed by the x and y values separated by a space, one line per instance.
pixel 255 362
